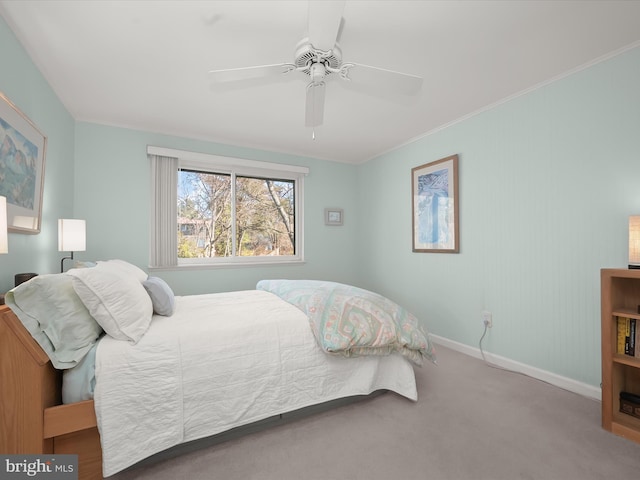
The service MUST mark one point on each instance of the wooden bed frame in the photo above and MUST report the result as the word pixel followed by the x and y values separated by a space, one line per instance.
pixel 33 419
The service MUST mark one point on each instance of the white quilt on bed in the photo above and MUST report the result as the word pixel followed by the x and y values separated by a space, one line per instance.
pixel 221 361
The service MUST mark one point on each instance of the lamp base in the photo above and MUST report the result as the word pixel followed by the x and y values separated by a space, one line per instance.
pixel 62 262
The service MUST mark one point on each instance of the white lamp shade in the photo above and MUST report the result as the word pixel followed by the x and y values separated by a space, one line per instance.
pixel 634 240
pixel 4 241
pixel 71 235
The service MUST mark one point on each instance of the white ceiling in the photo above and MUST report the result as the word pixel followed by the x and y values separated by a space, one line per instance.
pixel 144 64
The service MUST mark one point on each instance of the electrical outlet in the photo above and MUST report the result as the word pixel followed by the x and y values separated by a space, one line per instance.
pixel 487 318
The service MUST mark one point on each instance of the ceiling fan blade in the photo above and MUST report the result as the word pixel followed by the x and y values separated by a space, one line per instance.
pixel 249 73
pixel 324 22
pixel 389 80
pixel 340 30
pixel 315 104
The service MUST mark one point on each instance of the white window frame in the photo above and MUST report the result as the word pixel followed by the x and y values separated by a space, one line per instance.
pixel 241 167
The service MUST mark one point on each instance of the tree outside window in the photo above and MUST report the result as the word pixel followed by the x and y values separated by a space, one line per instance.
pixel 224 215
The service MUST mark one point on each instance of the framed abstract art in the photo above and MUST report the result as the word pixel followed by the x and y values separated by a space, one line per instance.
pixel 22 156
pixel 434 194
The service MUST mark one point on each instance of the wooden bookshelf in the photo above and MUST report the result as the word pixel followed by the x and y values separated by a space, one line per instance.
pixel 620 297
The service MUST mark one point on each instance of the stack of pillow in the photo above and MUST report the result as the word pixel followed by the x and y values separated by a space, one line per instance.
pixel 66 313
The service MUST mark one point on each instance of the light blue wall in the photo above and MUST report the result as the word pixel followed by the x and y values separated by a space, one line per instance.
pixel 112 192
pixel 23 84
pixel 547 181
pixel 101 174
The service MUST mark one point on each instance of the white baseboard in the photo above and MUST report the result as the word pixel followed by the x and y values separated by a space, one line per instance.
pixel 565 383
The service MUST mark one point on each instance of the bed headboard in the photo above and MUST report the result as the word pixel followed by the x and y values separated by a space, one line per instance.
pixel 29 384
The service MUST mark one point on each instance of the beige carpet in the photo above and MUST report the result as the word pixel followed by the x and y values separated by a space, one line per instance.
pixel 471 422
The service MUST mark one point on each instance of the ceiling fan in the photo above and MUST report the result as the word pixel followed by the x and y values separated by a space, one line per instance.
pixel 319 55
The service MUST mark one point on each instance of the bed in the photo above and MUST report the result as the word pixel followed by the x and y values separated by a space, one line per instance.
pixel 194 367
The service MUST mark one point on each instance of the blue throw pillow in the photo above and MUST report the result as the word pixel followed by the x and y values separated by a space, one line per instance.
pixel 161 295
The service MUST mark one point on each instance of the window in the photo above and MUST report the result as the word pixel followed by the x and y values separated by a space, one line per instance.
pixel 222 215
pixel 227 210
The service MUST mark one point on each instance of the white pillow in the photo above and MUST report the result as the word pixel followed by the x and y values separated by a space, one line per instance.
pixel 113 293
pixel 126 268
pixel 55 316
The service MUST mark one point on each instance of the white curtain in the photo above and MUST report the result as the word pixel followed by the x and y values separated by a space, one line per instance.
pixel 164 211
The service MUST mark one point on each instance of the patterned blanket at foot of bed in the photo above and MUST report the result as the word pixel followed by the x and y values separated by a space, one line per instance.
pixel 350 321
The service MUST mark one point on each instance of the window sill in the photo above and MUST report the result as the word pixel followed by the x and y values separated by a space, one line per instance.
pixel 214 266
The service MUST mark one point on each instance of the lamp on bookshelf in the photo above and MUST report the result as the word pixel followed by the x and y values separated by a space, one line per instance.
pixel 634 241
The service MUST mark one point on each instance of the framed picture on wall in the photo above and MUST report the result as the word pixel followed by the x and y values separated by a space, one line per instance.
pixel 434 194
pixel 333 216
pixel 22 156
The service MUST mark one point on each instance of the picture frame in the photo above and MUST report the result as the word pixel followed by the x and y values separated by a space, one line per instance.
pixel 434 202
pixel 333 216
pixel 22 160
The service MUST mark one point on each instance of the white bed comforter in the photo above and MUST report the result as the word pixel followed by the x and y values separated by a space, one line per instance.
pixel 221 361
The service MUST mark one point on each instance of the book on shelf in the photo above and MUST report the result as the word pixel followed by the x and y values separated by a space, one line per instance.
pixel 630 404
pixel 637 350
pixel 623 327
pixel 628 336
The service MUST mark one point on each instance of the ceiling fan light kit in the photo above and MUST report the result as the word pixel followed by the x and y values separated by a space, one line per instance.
pixel 307 56
pixel 317 72
pixel 319 56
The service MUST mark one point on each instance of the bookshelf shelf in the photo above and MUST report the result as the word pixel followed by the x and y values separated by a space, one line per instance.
pixel 620 298
pixel 626 313
pixel 626 360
